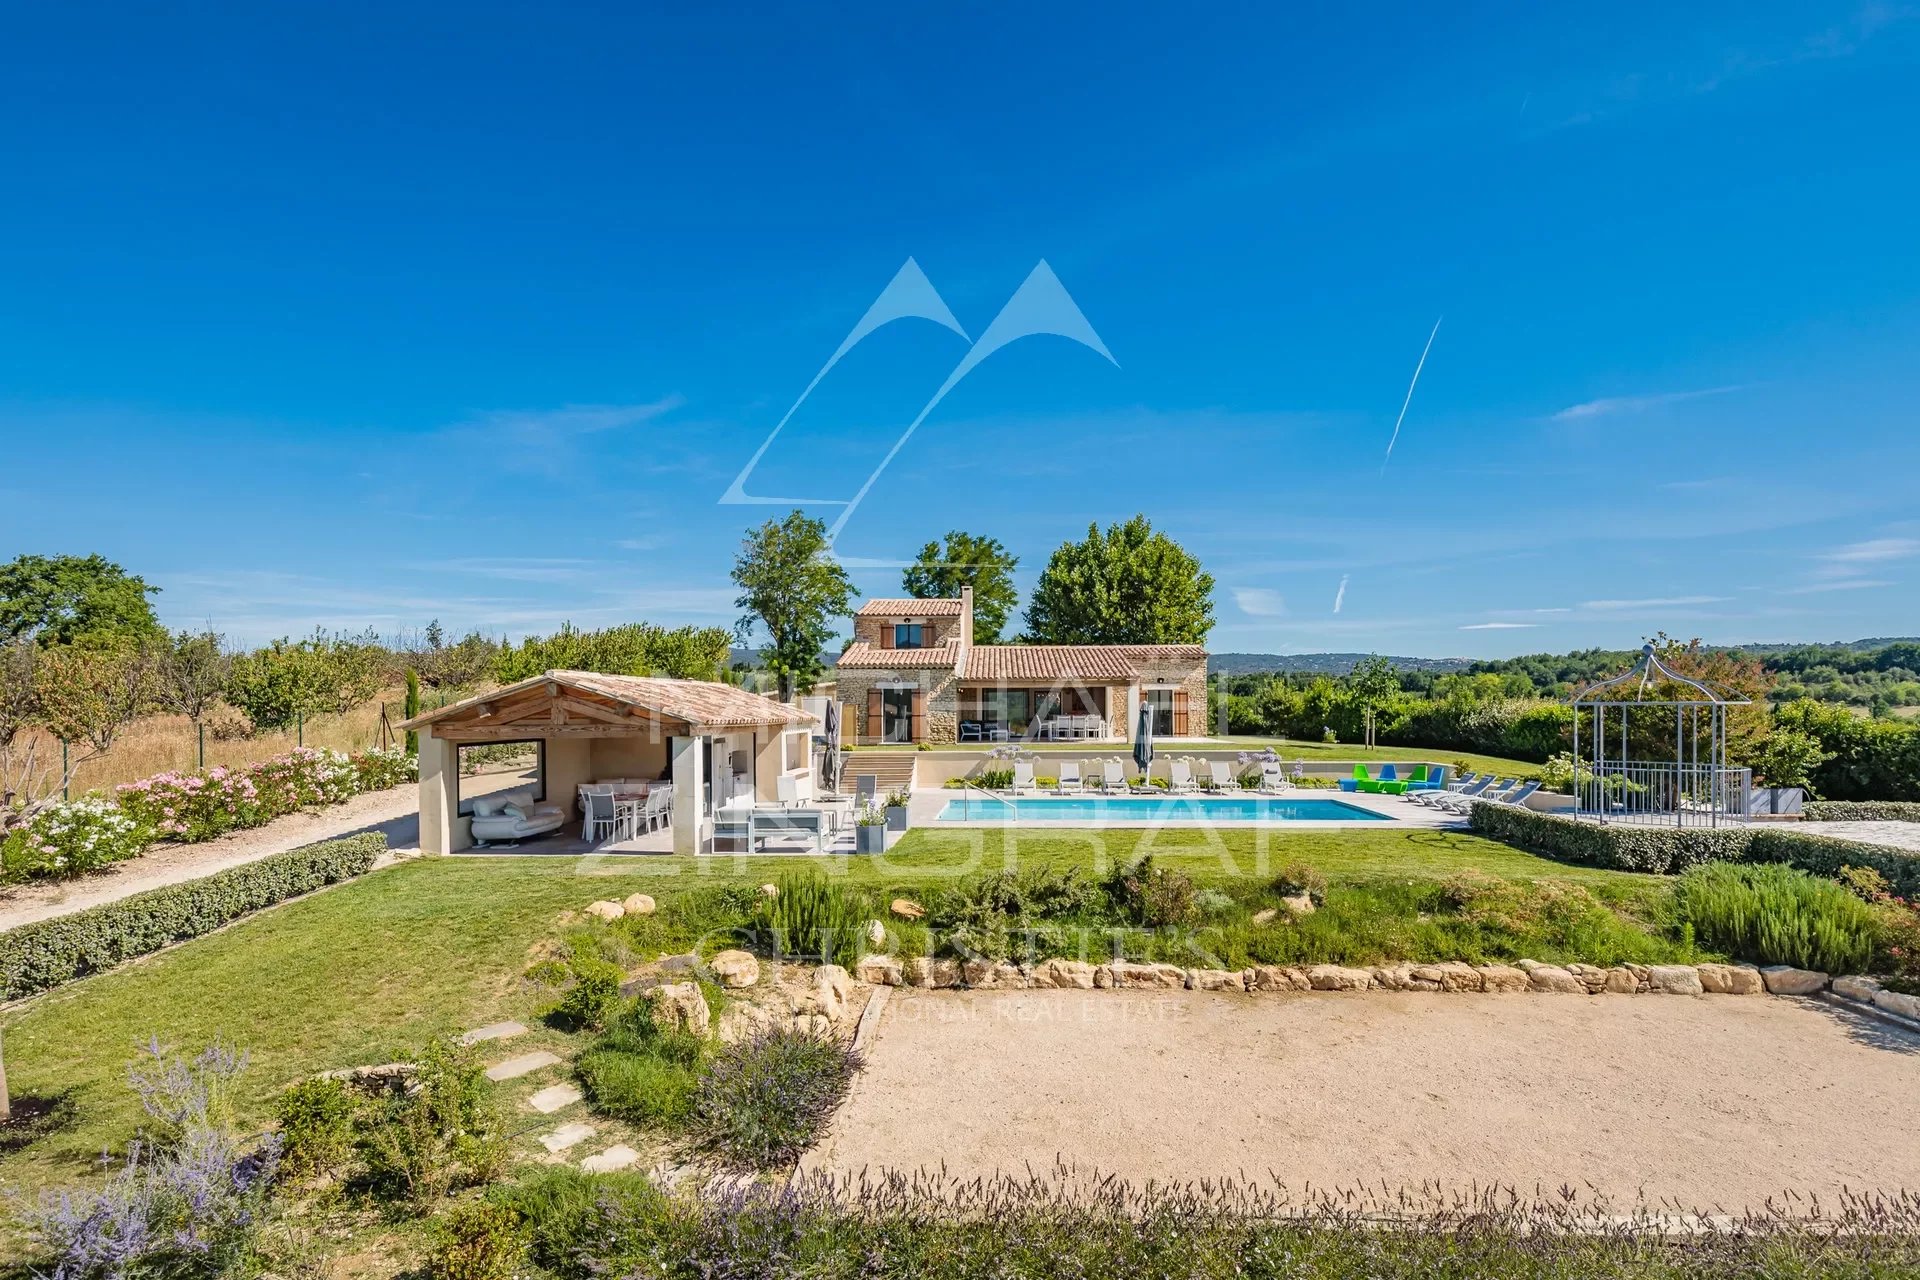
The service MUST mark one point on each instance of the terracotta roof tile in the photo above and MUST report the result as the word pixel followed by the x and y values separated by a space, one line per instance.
pixel 909 607
pixel 699 702
pixel 862 656
pixel 1048 662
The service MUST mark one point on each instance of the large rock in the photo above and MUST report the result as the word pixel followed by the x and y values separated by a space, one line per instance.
pixel 1785 980
pixel 1897 1002
pixel 1620 981
pixel 1266 915
pixel 1729 979
pixel 1452 975
pixel 637 904
pixel 1675 979
pixel 1132 977
pixel 1072 975
pixel 742 1020
pixel 1393 977
pixel 1216 980
pixel 1550 977
pixel 680 1006
pixel 1503 977
pixel 1274 977
pixel 606 910
pixel 924 971
pixel 908 909
pixel 880 971
pixel 1299 904
pixel 735 969
pixel 1857 988
pixel 1592 978
pixel 876 932
pixel 1333 977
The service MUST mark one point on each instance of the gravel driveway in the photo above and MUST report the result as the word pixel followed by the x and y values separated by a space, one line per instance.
pixel 1713 1101
pixel 395 811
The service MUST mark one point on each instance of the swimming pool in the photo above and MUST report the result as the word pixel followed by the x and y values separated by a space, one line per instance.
pixel 979 808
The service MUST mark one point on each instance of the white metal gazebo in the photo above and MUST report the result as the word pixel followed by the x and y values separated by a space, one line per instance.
pixel 1693 789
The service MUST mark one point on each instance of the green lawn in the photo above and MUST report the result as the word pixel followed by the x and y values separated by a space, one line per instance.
pixel 367 971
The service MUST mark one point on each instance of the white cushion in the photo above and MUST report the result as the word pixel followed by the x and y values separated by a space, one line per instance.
pixel 489 806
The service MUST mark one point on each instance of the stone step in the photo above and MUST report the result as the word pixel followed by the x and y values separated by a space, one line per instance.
pixel 554 1097
pixel 892 770
pixel 524 1065
pixel 493 1031
pixel 565 1136
pixel 613 1158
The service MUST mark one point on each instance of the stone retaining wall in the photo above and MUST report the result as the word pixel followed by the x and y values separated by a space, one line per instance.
pixel 1454 975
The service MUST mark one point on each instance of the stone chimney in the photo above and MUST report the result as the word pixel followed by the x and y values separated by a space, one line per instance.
pixel 966 617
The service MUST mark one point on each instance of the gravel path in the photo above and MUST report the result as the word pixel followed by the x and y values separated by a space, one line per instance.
pixel 1905 835
pixel 1718 1100
pixel 394 811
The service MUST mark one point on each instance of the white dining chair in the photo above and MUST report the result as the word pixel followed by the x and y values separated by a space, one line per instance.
pixel 599 817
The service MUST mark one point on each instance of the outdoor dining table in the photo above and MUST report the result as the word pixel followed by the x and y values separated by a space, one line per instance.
pixel 628 801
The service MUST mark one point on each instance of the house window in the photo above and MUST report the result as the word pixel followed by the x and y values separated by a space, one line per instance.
pixel 492 768
pixel 909 635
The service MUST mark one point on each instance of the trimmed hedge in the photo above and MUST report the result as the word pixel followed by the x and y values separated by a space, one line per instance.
pixel 1669 850
pixel 42 955
pixel 1863 811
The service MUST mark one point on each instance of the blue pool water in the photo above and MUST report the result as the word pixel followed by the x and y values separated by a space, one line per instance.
pixel 978 808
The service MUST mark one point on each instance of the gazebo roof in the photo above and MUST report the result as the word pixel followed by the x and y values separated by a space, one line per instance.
pixel 589 702
pixel 1631 688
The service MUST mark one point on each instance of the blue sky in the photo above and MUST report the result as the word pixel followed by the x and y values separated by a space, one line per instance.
pixel 365 315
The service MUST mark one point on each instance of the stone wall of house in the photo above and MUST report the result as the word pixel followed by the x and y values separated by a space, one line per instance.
pixel 877 630
pixel 941 721
pixel 1188 675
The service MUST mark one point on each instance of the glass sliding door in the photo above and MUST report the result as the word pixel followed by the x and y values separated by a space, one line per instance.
pixel 896 715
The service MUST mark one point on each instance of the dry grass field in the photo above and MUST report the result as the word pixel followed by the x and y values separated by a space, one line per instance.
pixel 159 743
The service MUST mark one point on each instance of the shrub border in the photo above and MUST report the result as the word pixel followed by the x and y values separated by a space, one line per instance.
pixel 1668 850
pixel 1863 811
pixel 47 953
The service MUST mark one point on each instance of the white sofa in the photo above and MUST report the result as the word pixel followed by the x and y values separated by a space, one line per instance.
pixel 514 815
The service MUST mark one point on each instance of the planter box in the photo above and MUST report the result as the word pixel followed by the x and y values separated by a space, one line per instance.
pixel 896 817
pixel 1766 801
pixel 870 839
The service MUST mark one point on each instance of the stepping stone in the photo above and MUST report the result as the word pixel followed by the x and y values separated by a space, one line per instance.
pixel 620 1157
pixel 495 1031
pixel 566 1136
pixel 525 1064
pixel 554 1097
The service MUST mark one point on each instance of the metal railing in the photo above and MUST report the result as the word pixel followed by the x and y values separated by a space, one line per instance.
pixel 1671 795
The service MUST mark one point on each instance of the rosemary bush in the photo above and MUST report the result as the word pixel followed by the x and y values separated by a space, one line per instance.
pixel 1773 914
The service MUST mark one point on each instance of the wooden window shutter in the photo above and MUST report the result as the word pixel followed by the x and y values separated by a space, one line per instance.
pixel 1180 726
pixel 918 727
pixel 875 724
pixel 886 635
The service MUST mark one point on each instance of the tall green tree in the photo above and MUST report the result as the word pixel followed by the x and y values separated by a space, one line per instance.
pixel 61 599
pixel 1124 585
pixel 791 585
pixel 1374 682
pixel 967 561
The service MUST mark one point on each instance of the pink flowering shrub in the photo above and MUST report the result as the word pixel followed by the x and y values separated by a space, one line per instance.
pixel 194 806
pixel 73 838
pixel 303 778
pixel 381 768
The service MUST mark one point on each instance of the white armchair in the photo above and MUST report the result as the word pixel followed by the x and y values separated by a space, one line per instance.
pixel 513 816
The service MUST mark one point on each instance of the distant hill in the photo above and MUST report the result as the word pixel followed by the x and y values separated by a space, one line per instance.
pixel 1331 664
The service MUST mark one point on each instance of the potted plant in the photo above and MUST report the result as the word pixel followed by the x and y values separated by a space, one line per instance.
pixel 1784 765
pixel 897 810
pixel 870 831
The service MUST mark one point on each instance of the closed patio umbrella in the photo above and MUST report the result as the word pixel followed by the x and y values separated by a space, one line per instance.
pixel 831 762
pixel 1143 740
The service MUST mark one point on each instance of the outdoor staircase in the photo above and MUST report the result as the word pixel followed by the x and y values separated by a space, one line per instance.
pixel 893 770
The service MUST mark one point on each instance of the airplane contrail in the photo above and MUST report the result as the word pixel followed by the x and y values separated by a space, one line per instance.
pixel 1340 596
pixel 1409 400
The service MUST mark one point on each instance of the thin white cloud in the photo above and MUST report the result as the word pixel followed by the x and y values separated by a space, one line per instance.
pixel 516 568
pixel 1656 602
pixel 651 542
pixel 1498 626
pixel 1839 584
pixel 1259 602
pixel 1340 596
pixel 1609 405
pixel 1874 551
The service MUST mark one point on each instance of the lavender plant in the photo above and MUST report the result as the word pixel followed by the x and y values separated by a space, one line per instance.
pixel 767 1099
pixel 189 1195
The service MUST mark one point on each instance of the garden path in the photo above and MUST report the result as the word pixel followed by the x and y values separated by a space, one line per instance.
pixel 1902 835
pixel 396 812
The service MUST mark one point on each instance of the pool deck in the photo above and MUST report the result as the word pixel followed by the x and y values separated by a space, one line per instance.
pixel 927 804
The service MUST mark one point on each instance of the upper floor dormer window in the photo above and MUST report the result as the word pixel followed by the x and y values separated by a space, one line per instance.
pixel 909 635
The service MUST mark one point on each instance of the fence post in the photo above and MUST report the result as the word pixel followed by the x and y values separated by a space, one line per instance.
pixel 299 728
pixel 202 729
pixel 64 775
